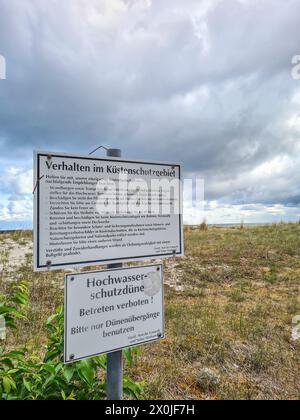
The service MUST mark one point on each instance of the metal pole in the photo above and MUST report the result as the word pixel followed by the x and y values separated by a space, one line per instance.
pixel 114 360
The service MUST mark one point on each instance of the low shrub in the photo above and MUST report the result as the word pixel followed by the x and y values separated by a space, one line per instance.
pixel 25 377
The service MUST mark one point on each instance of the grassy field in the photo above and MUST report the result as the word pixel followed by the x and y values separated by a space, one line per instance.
pixel 229 308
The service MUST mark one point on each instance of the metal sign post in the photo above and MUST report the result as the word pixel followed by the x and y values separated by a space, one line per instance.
pixel 64 200
pixel 114 372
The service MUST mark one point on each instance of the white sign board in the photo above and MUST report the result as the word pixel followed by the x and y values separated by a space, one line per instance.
pixel 109 310
pixel 91 211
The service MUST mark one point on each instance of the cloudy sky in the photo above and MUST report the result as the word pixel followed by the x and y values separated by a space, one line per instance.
pixel 206 83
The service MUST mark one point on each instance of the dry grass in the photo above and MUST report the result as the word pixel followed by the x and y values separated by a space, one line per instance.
pixel 229 308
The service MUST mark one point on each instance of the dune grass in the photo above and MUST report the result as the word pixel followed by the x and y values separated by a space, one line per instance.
pixel 228 326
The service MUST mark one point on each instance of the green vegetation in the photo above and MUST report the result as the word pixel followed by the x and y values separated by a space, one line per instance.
pixel 229 308
pixel 24 377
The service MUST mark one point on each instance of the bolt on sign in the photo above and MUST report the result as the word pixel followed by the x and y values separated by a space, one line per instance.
pixel 90 211
pixel 106 311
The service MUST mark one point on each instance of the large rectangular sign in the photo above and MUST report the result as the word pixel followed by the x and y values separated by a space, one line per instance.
pixel 91 211
pixel 109 310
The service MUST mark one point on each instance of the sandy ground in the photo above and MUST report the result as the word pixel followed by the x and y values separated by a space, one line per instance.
pixel 13 257
pixel 173 280
pixel 13 254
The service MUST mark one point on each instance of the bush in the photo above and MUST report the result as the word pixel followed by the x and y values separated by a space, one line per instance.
pixel 23 377
pixel 208 380
pixel 204 225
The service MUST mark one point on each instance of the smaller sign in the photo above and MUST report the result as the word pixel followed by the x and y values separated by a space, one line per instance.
pixel 109 310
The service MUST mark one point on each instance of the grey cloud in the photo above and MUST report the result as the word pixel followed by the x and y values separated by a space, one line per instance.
pixel 169 81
